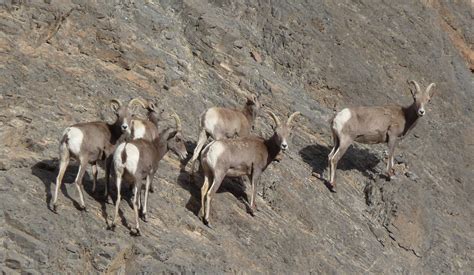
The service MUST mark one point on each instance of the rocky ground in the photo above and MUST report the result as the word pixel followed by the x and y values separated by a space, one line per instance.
pixel 61 61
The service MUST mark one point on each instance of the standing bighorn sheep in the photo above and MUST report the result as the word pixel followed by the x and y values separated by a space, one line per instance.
pixel 377 124
pixel 91 142
pixel 138 159
pixel 220 123
pixel 238 157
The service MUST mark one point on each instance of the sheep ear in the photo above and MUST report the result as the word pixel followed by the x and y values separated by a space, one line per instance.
pixel 429 88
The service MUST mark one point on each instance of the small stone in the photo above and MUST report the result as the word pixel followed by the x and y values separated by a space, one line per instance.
pixel 256 56
pixel 411 176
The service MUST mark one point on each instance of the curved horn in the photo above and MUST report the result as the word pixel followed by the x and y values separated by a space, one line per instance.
pixel 115 101
pixel 178 121
pixel 416 85
pixel 275 118
pixel 139 101
pixel 428 89
pixel 292 116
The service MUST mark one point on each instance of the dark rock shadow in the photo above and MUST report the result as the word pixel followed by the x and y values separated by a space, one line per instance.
pixel 355 157
pixel 47 171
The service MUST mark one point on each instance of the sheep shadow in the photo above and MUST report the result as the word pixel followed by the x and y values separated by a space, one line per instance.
pixel 47 171
pixel 361 159
pixel 235 186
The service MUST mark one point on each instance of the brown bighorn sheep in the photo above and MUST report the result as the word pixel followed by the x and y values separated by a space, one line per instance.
pixel 146 128
pixel 220 123
pixel 138 159
pixel 238 157
pixel 377 124
pixel 91 142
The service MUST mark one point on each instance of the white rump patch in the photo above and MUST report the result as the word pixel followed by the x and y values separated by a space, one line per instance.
pixel 133 155
pixel 138 130
pixel 75 137
pixel 211 119
pixel 340 120
pixel 215 151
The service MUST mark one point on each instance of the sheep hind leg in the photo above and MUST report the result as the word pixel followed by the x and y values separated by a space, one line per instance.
pixel 341 150
pixel 201 141
pixel 64 162
pixel 78 183
pixel 215 185
pixel 136 193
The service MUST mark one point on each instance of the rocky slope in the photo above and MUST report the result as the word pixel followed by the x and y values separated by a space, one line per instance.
pixel 61 61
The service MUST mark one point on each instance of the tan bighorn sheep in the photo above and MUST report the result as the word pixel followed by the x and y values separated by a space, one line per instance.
pixel 238 157
pixel 220 123
pixel 138 159
pixel 146 128
pixel 91 142
pixel 378 124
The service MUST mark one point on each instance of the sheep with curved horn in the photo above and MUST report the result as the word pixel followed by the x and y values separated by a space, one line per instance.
pixel 88 143
pixel 248 156
pixel 138 159
pixel 220 123
pixel 378 124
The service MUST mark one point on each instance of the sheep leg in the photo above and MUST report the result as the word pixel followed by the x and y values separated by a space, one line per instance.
pixel 136 193
pixel 78 182
pixel 254 179
pixel 340 151
pixel 201 141
pixel 218 177
pixel 118 179
pixel 204 189
pixel 108 167
pixel 94 175
pixel 392 143
pixel 331 154
pixel 149 179
pixel 64 162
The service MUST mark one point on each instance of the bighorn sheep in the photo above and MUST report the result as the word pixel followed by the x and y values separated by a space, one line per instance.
pixel 138 159
pixel 220 123
pixel 91 142
pixel 377 124
pixel 146 128
pixel 238 157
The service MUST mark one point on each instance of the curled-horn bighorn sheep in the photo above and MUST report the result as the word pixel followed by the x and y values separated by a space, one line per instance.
pixel 138 159
pixel 220 123
pixel 88 143
pixel 238 157
pixel 378 124
pixel 146 128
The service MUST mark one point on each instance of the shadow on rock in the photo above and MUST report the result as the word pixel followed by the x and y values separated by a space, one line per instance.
pixel 46 171
pixel 355 158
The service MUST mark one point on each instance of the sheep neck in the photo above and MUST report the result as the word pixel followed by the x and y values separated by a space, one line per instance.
pixel 411 118
pixel 273 148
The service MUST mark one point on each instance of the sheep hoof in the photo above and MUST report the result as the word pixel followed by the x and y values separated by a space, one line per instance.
pixel 152 190
pixel 135 233
pixel 55 209
pixel 332 188
pixel 145 218
pixel 111 227
pixel 84 208
pixel 206 222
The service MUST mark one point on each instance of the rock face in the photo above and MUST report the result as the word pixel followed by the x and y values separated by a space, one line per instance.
pixel 61 61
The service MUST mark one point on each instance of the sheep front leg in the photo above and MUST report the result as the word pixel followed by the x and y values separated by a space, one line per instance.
pixel 392 143
pixel 254 179
pixel 149 179
pixel 94 176
pixel 118 178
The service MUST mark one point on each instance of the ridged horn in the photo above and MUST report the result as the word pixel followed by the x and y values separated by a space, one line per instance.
pixel 115 101
pixel 292 116
pixel 178 121
pixel 275 118
pixel 416 85
pixel 428 89
pixel 139 101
